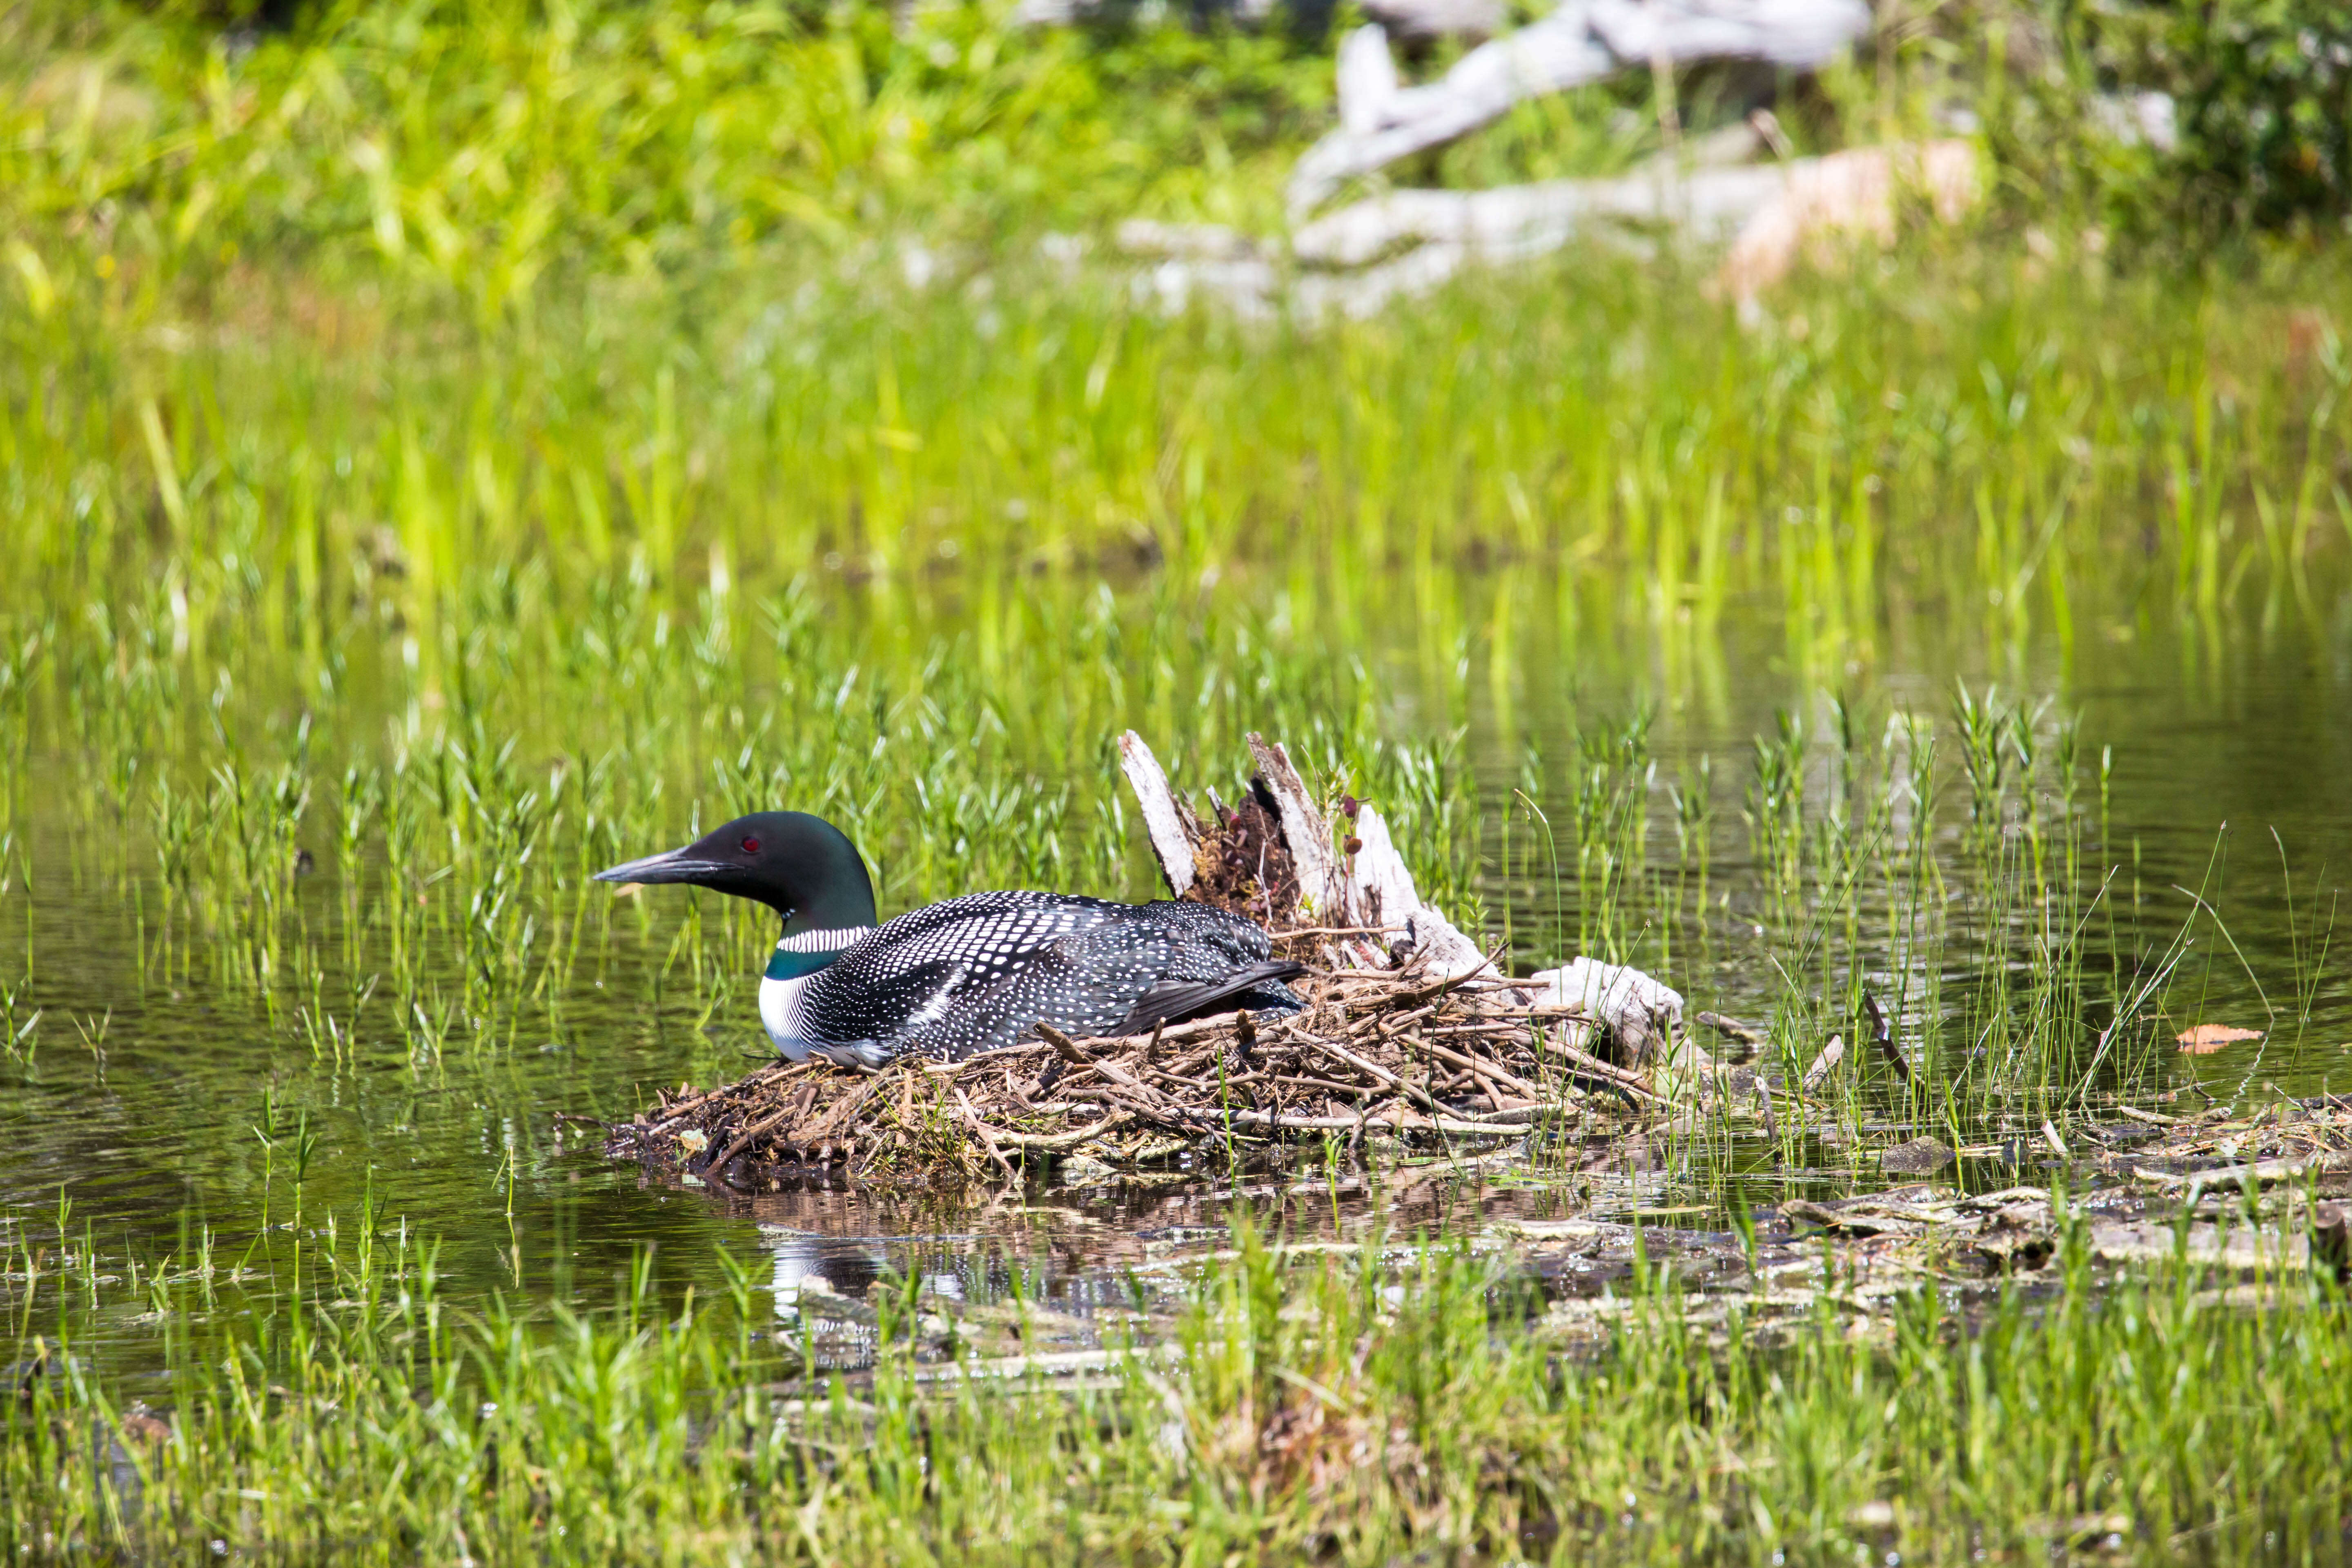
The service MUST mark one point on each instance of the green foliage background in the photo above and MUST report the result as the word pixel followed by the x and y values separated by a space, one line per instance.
pixel 483 145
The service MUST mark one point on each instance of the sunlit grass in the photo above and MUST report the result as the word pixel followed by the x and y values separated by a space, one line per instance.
pixel 489 151
pixel 382 558
pixel 460 614
pixel 1875 445
pixel 1303 1408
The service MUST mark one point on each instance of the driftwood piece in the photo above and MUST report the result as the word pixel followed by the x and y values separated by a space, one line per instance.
pixel 1381 888
pixel 1175 837
pixel 1823 1065
pixel 1382 894
pixel 1367 294
pixel 1407 242
pixel 1368 902
pixel 1421 19
pixel 1770 214
pixel 1643 1015
pixel 1843 197
pixel 1513 222
pixel 1365 80
pixel 1581 42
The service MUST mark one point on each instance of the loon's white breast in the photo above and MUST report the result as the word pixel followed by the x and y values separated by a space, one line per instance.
pixel 781 1011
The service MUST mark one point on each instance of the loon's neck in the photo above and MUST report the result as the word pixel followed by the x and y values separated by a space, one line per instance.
pixel 797 960
pixel 803 953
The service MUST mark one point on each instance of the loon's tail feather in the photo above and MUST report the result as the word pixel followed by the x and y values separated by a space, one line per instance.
pixel 1172 1001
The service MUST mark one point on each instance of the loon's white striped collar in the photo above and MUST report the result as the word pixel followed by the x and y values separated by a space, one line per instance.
pixel 807 952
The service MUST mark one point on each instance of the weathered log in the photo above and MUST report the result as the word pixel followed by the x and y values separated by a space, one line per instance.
pixel 1382 893
pixel 1842 196
pixel 1771 214
pixel 1365 80
pixel 1581 42
pixel 1369 896
pixel 1642 1015
pixel 1511 221
pixel 1175 837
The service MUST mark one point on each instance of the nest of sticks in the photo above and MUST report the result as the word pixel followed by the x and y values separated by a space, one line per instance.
pixel 1434 1061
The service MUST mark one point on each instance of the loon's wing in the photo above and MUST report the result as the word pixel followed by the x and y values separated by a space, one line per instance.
pixel 1172 1000
pixel 1184 957
pixel 913 974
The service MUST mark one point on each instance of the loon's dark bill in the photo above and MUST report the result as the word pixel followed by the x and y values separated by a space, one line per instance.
pixel 669 865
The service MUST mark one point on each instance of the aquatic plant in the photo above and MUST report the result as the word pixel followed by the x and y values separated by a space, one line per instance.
pixel 1356 1407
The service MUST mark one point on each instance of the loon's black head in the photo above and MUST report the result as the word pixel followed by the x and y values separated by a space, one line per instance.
pixel 801 867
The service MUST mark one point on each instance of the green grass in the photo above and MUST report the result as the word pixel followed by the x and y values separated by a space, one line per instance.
pixel 368 309
pixel 1959 424
pixel 486 150
pixel 353 1412
pixel 467 452
pixel 463 614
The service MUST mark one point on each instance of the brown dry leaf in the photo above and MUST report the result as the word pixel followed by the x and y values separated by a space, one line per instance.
pixel 2206 1038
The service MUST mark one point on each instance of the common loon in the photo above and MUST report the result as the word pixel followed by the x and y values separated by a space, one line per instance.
pixel 969 974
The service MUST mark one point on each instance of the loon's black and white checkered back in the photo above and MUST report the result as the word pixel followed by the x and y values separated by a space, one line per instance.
pixel 973 973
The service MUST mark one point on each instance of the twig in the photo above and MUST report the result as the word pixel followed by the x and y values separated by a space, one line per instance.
pixel 1822 1065
pixel 1732 1029
pixel 1881 1035
pixel 840 1113
pixel 1448 1123
pixel 1324 1084
pixel 1333 1048
pixel 743 1141
pixel 1063 1046
pixel 1507 1079
pixel 987 1136
pixel 1111 1123
pixel 1443 986
pixel 1616 1078
pixel 1176 1034
pixel 672 1113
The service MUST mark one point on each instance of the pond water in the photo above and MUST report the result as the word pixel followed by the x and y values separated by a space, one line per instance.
pixel 161 1106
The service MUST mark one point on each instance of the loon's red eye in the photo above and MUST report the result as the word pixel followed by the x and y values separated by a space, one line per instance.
pixel 751 846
